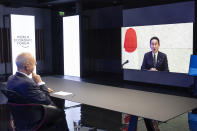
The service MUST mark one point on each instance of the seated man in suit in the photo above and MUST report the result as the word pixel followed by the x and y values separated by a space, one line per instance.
pixel 32 89
pixel 155 60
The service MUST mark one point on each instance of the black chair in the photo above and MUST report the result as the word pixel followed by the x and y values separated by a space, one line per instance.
pixel 31 117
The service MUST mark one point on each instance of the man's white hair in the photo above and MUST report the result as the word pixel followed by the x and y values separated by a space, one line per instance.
pixel 22 59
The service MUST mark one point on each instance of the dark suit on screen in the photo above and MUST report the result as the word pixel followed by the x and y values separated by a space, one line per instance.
pixel 162 62
pixel 32 93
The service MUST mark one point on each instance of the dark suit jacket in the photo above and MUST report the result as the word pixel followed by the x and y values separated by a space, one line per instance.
pixel 162 62
pixel 27 88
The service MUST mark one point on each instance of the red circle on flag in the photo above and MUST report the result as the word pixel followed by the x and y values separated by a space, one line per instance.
pixel 130 41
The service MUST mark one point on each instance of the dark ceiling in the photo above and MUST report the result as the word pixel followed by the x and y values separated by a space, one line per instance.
pixel 85 4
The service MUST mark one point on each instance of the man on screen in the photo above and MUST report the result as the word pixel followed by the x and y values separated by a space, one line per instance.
pixel 155 60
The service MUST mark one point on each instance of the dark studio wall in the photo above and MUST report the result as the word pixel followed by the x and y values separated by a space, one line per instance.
pixel 101 39
pixel 100 31
pixel 57 40
pixel 43 30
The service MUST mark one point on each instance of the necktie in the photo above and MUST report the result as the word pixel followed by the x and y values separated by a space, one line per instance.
pixel 154 60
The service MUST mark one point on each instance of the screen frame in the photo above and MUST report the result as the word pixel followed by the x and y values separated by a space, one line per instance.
pixel 134 19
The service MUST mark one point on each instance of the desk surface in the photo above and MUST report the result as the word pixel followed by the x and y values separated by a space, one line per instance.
pixel 155 106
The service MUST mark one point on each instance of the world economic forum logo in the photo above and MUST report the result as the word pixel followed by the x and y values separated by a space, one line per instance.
pixel 23 41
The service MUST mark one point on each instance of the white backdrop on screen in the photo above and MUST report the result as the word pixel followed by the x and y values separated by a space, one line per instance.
pixel 176 41
pixel 71 46
pixel 22 36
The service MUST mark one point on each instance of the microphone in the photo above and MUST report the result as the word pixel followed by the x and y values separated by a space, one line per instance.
pixel 127 61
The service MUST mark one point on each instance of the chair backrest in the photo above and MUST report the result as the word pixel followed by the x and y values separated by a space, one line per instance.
pixel 31 116
pixel 35 116
pixel 27 116
pixel 3 98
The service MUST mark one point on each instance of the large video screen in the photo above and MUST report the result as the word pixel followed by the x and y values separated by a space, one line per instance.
pixel 175 46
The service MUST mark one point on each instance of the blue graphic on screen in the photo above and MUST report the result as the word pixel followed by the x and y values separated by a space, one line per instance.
pixel 193 65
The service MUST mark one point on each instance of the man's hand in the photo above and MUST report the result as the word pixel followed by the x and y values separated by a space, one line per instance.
pixel 36 78
pixel 153 69
pixel 50 90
